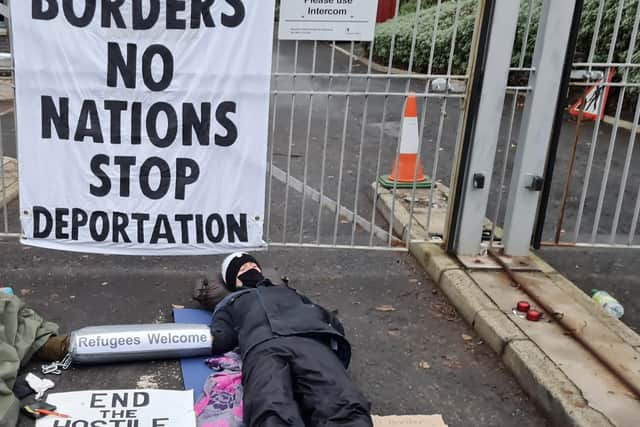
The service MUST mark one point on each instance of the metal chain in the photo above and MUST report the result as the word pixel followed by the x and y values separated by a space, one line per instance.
pixel 57 367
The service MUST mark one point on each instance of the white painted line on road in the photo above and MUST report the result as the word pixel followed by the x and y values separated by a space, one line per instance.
pixel 326 202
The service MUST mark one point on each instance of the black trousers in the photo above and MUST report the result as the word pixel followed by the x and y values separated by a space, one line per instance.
pixel 297 381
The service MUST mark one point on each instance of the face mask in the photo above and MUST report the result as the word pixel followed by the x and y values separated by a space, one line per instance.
pixel 251 278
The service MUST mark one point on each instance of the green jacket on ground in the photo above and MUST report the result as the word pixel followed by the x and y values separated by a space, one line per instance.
pixel 22 333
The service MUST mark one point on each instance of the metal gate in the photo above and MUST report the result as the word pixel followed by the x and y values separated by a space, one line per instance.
pixel 594 199
pixel 335 125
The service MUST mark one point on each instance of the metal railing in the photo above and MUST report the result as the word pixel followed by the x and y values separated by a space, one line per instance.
pixel 335 127
pixel 335 124
pixel 595 199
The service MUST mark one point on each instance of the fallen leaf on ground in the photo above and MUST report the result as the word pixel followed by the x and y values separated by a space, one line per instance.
pixel 467 337
pixel 424 365
pixel 385 308
pixel 453 364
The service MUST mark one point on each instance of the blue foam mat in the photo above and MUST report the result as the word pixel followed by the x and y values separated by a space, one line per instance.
pixel 194 370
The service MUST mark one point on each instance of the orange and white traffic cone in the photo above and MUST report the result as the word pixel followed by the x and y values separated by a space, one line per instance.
pixel 407 170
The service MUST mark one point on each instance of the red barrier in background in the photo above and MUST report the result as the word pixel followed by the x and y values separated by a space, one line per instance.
pixel 386 10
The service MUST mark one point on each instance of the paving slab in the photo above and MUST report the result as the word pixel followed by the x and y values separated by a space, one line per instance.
pixel 599 387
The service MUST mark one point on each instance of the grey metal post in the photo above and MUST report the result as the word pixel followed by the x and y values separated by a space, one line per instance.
pixel 537 122
pixel 475 195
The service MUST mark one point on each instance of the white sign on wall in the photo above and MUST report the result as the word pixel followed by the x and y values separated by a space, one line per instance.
pixel 141 408
pixel 142 126
pixel 338 20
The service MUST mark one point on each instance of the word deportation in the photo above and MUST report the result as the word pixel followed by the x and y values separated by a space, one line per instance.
pixel 152 339
pixel 117 227
pixel 318 9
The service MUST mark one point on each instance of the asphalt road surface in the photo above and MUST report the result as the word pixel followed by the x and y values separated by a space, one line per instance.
pixel 414 359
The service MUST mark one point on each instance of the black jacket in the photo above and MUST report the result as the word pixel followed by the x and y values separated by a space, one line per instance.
pixel 254 316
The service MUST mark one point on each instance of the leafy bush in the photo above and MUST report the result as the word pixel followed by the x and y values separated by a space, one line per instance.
pixel 410 6
pixel 403 29
pixel 404 25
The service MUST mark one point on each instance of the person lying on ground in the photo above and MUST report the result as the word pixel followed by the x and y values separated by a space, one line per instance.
pixel 294 352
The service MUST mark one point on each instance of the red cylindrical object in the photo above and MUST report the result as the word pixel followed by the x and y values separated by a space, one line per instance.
pixel 523 306
pixel 534 315
pixel 386 10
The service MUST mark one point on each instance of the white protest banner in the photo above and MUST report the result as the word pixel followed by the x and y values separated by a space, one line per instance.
pixel 123 408
pixel 142 124
pixel 332 20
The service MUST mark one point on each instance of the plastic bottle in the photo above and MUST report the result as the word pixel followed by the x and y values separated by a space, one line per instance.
pixel 8 291
pixel 608 303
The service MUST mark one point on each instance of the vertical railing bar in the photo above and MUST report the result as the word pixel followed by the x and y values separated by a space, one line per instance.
pixel 324 148
pixel 421 131
pixel 394 191
pixel 433 37
pixel 461 123
pixel 351 55
pixel 357 190
pixel 429 71
pixel 306 148
pixel 525 38
pixel 273 139
pixel 596 34
pixel 322 168
pixel 362 136
pixel 343 145
pixel 289 151
pixel 306 164
pixel 503 172
pixel 443 114
pixel 278 55
pixel 596 128
pixel 414 39
pixel 315 53
pixel 616 29
pixel 388 88
pixel 394 34
pixel 436 159
pixel 5 213
pixel 614 132
pixel 271 148
pixel 634 221
pixel 370 65
pixel 377 184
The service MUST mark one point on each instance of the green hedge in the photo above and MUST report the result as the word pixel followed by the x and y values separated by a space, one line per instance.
pixel 404 25
pixel 403 28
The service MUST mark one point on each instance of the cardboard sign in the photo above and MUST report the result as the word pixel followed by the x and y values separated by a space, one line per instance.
pixel 142 125
pixel 337 20
pixel 124 408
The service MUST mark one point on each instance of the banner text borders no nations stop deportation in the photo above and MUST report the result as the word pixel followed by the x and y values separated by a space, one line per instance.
pixel 142 124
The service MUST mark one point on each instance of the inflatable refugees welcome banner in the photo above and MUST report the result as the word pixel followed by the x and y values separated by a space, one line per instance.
pixel 142 124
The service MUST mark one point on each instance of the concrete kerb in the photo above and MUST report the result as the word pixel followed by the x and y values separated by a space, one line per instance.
pixel 549 386
pixel 552 390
